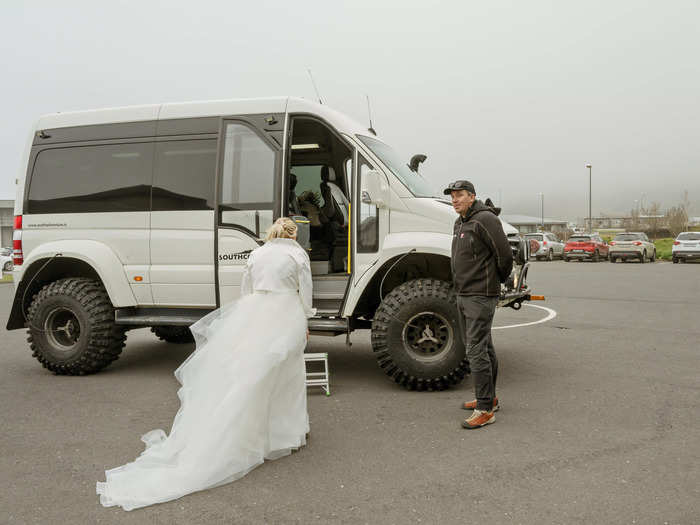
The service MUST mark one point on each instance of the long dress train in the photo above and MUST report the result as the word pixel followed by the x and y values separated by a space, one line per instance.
pixel 243 393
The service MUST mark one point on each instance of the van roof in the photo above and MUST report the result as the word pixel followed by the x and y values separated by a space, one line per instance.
pixel 205 108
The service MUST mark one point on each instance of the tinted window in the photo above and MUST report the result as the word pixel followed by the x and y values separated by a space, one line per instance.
pixel 579 238
pixel 368 233
pixel 536 236
pixel 84 179
pixel 184 175
pixel 689 237
pixel 247 188
pixel 627 237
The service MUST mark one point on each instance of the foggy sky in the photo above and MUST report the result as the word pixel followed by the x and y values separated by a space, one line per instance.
pixel 515 96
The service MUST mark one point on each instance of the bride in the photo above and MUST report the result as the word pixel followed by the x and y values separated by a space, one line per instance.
pixel 243 394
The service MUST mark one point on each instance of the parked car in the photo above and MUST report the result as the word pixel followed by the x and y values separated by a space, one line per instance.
pixel 686 246
pixel 632 245
pixel 547 245
pixel 585 246
pixel 6 259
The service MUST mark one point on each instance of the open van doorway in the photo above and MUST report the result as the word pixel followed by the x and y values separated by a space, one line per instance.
pixel 319 187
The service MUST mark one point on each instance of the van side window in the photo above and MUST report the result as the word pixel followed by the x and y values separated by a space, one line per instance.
pixel 247 196
pixel 368 232
pixel 184 175
pixel 84 179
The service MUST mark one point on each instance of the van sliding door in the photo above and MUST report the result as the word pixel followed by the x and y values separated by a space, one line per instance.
pixel 182 221
pixel 248 198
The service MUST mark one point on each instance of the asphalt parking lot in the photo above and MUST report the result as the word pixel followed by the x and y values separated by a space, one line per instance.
pixel 599 423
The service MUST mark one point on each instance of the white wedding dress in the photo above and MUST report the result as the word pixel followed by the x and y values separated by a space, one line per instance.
pixel 243 394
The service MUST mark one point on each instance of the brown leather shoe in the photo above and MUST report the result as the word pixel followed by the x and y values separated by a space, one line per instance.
pixel 478 419
pixel 471 405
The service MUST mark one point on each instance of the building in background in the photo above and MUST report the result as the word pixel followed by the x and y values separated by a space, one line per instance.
pixel 528 224
pixel 607 223
pixel 7 211
pixel 643 223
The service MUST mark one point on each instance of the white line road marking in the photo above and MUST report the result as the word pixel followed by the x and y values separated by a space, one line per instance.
pixel 551 315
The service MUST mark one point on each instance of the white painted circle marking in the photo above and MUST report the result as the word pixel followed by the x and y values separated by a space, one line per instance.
pixel 551 314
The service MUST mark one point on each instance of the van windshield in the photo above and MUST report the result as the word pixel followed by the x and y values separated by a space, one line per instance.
pixel 415 183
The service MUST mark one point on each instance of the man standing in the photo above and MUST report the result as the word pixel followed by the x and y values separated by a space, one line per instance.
pixel 481 261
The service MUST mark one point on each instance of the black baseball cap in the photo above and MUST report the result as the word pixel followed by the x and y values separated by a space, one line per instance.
pixel 460 185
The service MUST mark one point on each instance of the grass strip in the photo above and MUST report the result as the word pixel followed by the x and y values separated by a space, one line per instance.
pixel 663 248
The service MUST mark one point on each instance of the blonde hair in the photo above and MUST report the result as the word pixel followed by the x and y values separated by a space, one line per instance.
pixel 283 228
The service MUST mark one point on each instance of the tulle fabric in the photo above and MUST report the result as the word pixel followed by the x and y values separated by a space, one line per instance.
pixel 242 401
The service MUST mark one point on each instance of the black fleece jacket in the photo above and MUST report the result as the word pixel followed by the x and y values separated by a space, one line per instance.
pixel 481 255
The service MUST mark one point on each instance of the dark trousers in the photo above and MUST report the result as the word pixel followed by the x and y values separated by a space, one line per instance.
pixel 477 316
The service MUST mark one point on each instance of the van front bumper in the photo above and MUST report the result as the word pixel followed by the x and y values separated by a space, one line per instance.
pixel 516 290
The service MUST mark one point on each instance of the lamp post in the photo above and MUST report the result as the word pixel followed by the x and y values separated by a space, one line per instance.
pixel 541 209
pixel 590 198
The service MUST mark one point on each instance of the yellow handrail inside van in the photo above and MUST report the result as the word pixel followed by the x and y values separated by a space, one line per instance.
pixel 349 235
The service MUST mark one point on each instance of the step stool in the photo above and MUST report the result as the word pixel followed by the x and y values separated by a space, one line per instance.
pixel 318 378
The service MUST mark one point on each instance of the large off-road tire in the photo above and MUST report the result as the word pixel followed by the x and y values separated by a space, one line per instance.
pixel 71 327
pixel 173 334
pixel 417 338
pixel 550 256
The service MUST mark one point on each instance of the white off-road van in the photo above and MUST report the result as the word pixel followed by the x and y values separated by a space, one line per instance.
pixel 144 217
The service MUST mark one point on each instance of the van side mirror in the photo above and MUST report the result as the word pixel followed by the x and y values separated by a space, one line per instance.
pixel 375 189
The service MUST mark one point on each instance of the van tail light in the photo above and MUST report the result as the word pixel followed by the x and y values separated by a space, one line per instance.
pixel 544 243
pixel 637 243
pixel 17 255
pixel 676 243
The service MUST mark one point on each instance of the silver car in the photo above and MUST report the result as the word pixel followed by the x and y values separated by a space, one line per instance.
pixel 548 246
pixel 6 259
pixel 632 245
pixel 686 246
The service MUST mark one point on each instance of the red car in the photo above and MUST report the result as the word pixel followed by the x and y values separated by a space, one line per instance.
pixel 586 246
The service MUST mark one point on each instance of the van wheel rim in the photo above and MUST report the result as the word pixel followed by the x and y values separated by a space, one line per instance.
pixel 62 329
pixel 427 335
